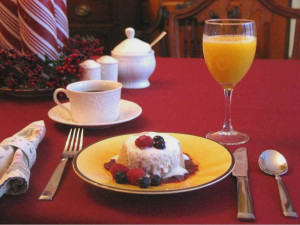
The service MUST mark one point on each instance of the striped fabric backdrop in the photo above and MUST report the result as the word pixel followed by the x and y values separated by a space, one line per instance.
pixel 60 10
pixel 38 26
pixel 9 25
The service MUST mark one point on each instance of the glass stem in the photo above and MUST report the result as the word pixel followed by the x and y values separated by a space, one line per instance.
pixel 227 127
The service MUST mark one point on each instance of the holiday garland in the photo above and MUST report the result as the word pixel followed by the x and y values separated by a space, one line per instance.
pixel 27 71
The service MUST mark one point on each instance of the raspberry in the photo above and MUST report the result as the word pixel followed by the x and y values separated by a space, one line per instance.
pixel 144 141
pixel 134 174
pixel 118 167
pixel 109 164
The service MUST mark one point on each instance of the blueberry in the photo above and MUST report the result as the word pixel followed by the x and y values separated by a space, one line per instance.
pixel 120 178
pixel 144 182
pixel 159 144
pixel 158 138
pixel 155 180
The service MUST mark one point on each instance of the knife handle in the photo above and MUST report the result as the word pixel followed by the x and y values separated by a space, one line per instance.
pixel 245 209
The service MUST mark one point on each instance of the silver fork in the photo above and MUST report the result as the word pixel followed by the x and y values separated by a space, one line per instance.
pixel 68 153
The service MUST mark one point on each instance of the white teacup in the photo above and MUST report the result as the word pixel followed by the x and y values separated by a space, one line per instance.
pixel 92 101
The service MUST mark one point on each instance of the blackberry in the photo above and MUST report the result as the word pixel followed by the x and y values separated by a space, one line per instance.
pixel 155 180
pixel 120 178
pixel 144 182
pixel 159 144
pixel 158 138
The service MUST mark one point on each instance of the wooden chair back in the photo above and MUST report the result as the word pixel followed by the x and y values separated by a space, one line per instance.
pixel 149 33
pixel 272 21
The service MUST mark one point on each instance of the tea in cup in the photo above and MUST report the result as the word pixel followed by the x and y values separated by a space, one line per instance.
pixel 92 101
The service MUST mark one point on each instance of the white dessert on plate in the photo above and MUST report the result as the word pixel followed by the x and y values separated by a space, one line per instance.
pixel 165 162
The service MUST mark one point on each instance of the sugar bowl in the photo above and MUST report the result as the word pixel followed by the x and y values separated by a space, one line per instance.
pixel 136 61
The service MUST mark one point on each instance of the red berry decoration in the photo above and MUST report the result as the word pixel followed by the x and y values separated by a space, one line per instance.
pixel 27 71
pixel 144 141
pixel 118 167
pixel 107 165
pixel 134 174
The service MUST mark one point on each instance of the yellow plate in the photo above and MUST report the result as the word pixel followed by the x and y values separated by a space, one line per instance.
pixel 214 160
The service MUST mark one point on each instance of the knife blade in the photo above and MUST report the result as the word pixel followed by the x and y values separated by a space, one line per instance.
pixel 240 171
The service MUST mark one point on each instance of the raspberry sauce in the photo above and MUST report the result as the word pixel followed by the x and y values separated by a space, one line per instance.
pixel 190 166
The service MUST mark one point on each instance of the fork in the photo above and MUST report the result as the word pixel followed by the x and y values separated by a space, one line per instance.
pixel 68 153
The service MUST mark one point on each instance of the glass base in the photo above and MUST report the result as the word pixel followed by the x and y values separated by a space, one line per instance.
pixel 228 137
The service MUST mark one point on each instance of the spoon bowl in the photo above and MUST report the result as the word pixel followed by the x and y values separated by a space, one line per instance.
pixel 273 163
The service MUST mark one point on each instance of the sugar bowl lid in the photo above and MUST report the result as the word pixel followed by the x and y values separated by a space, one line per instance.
pixel 132 45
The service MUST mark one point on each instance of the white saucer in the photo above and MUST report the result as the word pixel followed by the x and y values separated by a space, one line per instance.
pixel 128 111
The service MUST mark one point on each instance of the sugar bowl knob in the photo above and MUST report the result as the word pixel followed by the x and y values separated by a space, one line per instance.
pixel 130 32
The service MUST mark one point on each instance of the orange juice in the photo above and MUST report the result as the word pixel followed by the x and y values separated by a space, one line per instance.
pixel 229 57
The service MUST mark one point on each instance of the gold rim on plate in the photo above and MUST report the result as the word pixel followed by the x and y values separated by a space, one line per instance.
pixel 214 160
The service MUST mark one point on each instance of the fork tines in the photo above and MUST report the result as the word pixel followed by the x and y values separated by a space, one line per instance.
pixel 76 135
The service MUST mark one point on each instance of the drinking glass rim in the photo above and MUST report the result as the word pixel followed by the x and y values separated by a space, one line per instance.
pixel 229 21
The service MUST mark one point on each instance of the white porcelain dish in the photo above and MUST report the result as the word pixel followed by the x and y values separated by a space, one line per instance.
pixel 136 61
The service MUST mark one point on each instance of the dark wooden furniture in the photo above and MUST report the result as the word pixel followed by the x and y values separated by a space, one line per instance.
pixel 106 19
pixel 272 18
pixel 148 34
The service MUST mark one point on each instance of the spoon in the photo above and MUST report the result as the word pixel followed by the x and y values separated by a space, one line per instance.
pixel 158 38
pixel 273 163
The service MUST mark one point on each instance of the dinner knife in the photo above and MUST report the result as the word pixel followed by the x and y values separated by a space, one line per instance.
pixel 240 171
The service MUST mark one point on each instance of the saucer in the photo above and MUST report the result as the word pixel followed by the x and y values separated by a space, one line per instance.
pixel 128 111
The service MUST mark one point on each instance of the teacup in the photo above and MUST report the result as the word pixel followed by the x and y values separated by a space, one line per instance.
pixel 92 101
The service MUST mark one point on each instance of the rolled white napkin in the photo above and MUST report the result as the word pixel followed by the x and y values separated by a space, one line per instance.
pixel 17 156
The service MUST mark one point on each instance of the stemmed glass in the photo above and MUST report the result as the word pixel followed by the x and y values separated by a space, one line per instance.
pixel 229 47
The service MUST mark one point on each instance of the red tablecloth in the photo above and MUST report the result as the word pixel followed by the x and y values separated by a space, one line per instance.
pixel 182 98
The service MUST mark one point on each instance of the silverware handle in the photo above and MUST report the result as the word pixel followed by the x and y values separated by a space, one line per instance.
pixel 245 209
pixel 286 203
pixel 54 181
